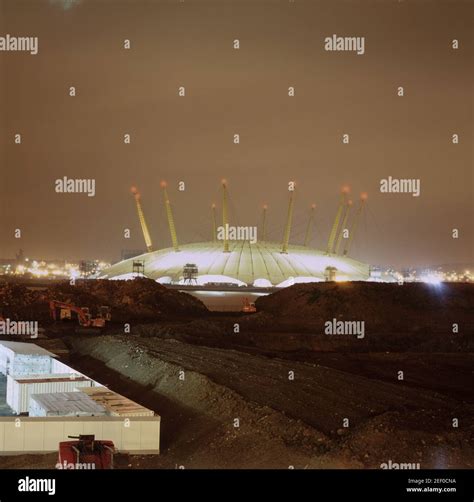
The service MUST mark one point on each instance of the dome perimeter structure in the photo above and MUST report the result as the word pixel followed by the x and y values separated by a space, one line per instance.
pixel 251 264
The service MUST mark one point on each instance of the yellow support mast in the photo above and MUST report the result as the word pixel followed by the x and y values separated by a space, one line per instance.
pixel 169 214
pixel 355 221
pixel 141 218
pixel 264 223
pixel 286 236
pixel 347 210
pixel 214 223
pixel 337 219
pixel 225 217
pixel 310 223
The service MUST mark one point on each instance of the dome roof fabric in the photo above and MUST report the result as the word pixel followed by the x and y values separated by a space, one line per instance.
pixel 245 262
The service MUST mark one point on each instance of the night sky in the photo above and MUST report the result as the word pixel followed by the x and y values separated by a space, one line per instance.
pixel 241 92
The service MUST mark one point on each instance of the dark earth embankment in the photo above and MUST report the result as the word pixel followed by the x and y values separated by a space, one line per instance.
pixel 138 300
pixel 291 387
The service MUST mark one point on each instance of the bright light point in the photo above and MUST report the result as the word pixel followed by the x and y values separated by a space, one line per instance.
pixel 432 279
pixel 74 274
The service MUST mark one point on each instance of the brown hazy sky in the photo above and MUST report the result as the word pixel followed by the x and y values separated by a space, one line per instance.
pixel 244 91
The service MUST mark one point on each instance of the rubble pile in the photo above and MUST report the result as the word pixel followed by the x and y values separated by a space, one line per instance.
pixel 139 299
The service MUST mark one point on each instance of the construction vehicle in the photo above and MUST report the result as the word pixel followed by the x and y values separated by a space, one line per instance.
pixel 86 453
pixel 247 307
pixel 83 314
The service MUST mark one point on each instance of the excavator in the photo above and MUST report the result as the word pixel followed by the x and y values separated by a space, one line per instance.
pixel 86 453
pixel 83 314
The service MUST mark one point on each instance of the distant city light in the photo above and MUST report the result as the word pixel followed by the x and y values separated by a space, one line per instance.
pixel 53 270
pixel 42 269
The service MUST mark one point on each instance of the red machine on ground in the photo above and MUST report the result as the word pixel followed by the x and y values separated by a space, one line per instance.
pixel 83 315
pixel 86 453
pixel 247 307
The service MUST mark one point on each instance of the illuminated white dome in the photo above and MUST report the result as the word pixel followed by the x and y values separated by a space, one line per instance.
pixel 260 263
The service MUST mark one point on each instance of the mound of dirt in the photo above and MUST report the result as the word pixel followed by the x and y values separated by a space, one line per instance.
pixel 385 308
pixel 417 438
pixel 19 303
pixel 139 299
pixel 232 431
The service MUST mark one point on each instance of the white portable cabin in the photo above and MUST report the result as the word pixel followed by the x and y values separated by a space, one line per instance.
pixel 20 358
pixel 20 388
pixel 64 404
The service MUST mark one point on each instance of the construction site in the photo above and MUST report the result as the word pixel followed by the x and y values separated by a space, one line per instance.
pixel 262 388
pixel 315 364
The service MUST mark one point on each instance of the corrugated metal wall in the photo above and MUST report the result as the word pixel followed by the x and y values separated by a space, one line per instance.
pixel 31 434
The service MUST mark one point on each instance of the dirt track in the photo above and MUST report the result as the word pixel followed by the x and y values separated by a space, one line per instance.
pixel 284 421
pixel 318 395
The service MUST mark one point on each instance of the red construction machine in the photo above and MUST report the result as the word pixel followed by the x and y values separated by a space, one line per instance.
pixel 86 453
pixel 61 311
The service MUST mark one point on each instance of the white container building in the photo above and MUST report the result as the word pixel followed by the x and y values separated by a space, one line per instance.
pixel 85 401
pixel 64 404
pixel 20 388
pixel 41 435
pixel 20 358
